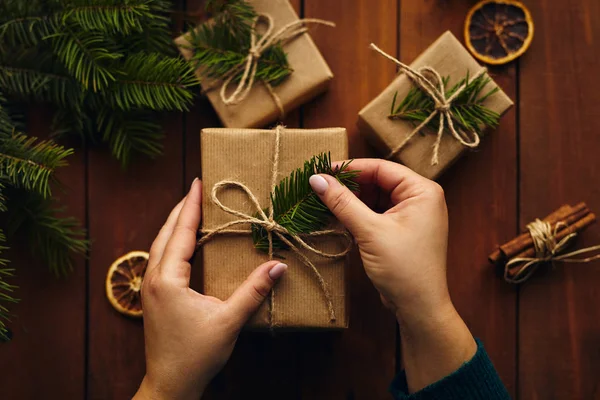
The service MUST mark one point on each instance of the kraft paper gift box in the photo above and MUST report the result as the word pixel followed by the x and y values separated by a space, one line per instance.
pixel 228 259
pixel 449 58
pixel 310 77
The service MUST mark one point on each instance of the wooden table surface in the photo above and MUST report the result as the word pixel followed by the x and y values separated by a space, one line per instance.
pixel 543 337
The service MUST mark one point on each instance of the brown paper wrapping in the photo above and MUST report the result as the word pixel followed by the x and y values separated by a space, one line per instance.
pixel 229 259
pixel 447 56
pixel 311 75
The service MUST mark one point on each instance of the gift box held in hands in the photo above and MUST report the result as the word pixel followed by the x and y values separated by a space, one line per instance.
pixel 429 139
pixel 245 100
pixel 236 187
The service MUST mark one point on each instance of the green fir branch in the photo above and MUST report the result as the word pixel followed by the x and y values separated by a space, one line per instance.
pixel 296 206
pixel 153 81
pixel 111 16
pixel 54 237
pixel 128 133
pixel 88 55
pixel 467 110
pixel 32 75
pixel 28 163
pixel 156 34
pixel 236 16
pixel 6 290
pixel 7 125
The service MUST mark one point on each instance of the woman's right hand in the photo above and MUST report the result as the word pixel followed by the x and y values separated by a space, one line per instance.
pixel 400 224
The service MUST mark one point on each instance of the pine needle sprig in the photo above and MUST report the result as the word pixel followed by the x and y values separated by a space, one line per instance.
pixel 113 16
pixel 296 207
pixel 153 81
pixel 31 75
pixel 156 34
pixel 54 237
pixel 126 131
pixel 28 163
pixel 7 125
pixel 88 55
pixel 6 290
pixel 467 110
pixel 236 16
pixel 216 52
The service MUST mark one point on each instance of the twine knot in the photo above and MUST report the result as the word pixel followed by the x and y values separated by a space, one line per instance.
pixel 547 250
pixel 295 242
pixel 436 90
pixel 443 107
pixel 258 46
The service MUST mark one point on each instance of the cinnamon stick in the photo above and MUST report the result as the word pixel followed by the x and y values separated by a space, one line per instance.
pixel 576 226
pixel 524 241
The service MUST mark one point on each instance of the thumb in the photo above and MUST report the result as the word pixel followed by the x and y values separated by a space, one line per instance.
pixel 348 209
pixel 252 293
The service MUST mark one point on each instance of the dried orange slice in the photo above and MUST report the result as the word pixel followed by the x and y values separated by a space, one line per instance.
pixel 124 283
pixel 498 31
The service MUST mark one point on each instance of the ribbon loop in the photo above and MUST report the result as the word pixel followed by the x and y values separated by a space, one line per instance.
pixel 442 106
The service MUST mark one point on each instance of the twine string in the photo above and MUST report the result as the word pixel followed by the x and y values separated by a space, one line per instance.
pixel 268 223
pixel 437 92
pixel 256 51
pixel 547 250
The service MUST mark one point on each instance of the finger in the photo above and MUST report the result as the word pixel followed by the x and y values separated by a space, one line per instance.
pixel 252 293
pixel 182 243
pixel 351 212
pixel 158 246
pixel 399 181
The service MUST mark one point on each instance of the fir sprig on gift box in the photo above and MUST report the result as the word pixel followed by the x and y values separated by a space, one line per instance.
pixel 467 110
pixel 297 207
pixel 221 45
pixel 107 67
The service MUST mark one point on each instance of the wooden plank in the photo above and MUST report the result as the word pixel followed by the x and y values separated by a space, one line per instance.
pixel 481 196
pixel 127 208
pixel 559 320
pixel 360 362
pixel 46 354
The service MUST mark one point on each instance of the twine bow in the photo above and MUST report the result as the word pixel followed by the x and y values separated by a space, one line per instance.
pixel 257 49
pixel 442 106
pixel 547 250
pixel 293 241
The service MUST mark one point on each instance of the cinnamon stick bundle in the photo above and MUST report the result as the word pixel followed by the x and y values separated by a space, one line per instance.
pixel 565 220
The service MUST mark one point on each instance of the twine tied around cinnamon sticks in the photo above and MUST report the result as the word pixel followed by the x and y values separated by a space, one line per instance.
pixel 266 220
pixel 437 92
pixel 545 242
pixel 547 249
pixel 257 49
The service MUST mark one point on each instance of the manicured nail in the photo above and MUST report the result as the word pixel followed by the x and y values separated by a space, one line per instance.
pixel 278 270
pixel 194 181
pixel 318 183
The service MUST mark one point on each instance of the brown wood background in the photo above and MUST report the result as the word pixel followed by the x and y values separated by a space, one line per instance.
pixel 544 337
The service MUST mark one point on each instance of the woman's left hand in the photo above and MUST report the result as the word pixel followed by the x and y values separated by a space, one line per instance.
pixel 189 337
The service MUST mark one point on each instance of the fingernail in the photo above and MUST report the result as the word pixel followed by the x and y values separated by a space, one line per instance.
pixel 278 270
pixel 194 181
pixel 318 183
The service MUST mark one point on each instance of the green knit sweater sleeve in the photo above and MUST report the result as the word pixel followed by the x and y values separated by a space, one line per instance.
pixel 476 379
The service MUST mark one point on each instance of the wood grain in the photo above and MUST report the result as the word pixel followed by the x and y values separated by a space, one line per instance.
pixel 47 353
pixel 559 320
pixel 481 192
pixel 127 208
pixel 360 362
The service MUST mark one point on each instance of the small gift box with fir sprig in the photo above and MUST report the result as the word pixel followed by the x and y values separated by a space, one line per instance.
pixel 258 205
pixel 255 61
pixel 435 110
